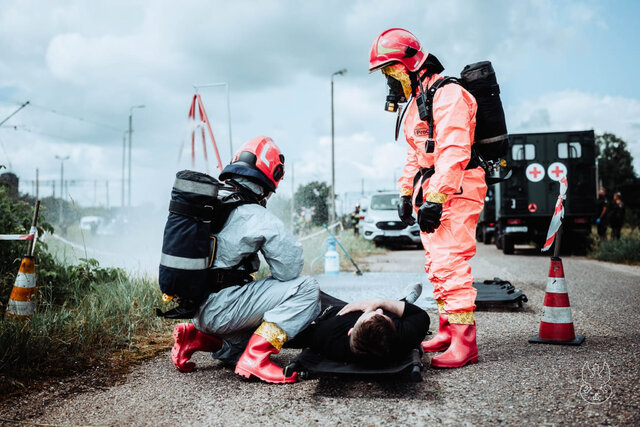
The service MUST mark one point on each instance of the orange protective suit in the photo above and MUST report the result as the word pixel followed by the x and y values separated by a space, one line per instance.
pixel 449 248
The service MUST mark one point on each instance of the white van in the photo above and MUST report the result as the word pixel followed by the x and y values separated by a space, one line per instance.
pixel 91 223
pixel 382 224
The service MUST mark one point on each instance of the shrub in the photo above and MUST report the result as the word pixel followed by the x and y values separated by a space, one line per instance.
pixel 85 313
pixel 624 250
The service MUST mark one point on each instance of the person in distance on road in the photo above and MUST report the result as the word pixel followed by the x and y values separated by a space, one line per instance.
pixel 602 220
pixel 616 219
pixel 279 306
pixel 441 184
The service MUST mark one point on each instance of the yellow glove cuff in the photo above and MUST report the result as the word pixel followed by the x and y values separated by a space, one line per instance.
pixel 436 197
pixel 406 192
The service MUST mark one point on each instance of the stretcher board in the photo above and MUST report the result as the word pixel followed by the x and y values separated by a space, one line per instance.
pixel 497 291
pixel 310 364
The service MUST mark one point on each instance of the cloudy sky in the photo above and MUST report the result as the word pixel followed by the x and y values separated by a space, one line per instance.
pixel 568 65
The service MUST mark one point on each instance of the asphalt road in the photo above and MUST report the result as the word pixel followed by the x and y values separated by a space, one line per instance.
pixel 514 382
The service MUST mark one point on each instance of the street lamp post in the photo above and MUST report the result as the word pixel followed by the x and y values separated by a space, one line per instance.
pixel 124 156
pixel 62 159
pixel 226 85
pixel 130 132
pixel 332 194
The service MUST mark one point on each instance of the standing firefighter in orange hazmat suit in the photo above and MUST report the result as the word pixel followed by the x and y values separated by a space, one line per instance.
pixel 442 182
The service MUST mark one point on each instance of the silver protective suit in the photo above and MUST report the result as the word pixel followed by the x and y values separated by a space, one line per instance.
pixel 285 298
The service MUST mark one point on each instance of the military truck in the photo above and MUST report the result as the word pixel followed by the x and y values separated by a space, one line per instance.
pixel 524 204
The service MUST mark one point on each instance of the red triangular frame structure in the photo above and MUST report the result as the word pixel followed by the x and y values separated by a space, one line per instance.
pixel 204 120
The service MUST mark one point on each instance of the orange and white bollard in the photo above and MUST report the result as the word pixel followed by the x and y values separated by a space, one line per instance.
pixel 22 299
pixel 556 326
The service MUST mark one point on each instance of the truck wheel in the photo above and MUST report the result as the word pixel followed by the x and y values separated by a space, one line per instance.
pixel 507 245
pixel 499 241
pixel 486 236
pixel 583 245
pixel 479 233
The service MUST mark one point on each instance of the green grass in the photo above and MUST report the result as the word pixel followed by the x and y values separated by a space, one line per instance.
pixel 315 248
pixel 85 314
pixel 624 250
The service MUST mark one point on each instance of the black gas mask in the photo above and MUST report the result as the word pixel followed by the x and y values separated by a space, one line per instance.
pixel 395 96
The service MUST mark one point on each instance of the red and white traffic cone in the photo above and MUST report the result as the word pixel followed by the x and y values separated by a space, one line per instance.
pixel 22 299
pixel 556 326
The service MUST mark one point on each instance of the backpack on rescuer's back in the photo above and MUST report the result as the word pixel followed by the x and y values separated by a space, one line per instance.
pixel 196 213
pixel 491 138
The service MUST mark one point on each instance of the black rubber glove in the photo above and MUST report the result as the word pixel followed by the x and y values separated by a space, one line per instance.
pixel 405 210
pixel 429 216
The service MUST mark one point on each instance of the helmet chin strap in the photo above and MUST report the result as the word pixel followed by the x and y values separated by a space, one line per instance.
pixel 262 194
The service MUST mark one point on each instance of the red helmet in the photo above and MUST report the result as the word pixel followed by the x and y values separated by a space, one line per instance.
pixel 259 160
pixel 397 45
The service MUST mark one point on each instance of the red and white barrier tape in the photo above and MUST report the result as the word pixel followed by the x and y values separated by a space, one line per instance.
pixel 558 214
pixel 32 233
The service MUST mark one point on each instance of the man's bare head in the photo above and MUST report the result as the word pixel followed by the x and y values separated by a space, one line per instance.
pixel 373 334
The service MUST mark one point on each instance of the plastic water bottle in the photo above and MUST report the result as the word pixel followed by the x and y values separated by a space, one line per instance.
pixel 331 258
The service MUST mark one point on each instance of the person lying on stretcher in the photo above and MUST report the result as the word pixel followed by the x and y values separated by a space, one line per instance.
pixel 375 332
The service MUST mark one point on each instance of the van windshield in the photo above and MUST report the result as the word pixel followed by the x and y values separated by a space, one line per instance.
pixel 384 202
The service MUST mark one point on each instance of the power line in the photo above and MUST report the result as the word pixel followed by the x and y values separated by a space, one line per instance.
pixel 6 154
pixel 67 115
pixel 26 129
pixel 82 119
pixel 14 113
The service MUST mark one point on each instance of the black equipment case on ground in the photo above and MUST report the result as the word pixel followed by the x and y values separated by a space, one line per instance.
pixel 498 291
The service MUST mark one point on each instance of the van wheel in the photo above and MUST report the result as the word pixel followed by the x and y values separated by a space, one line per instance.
pixel 507 245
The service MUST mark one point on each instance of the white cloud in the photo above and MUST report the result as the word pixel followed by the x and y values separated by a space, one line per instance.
pixel 95 60
pixel 573 110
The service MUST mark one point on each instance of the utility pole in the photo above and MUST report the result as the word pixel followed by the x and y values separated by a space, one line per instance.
pixel 332 194
pixel 130 132
pixel 62 159
pixel 293 198
pixel 124 150
pixel 37 184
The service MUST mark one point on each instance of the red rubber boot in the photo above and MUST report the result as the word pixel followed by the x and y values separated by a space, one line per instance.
pixel 255 361
pixel 463 348
pixel 189 340
pixel 442 340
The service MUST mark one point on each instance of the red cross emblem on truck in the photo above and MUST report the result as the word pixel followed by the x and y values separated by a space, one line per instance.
pixel 535 172
pixel 556 171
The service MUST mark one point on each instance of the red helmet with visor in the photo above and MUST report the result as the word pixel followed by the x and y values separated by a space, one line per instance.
pixel 397 45
pixel 259 160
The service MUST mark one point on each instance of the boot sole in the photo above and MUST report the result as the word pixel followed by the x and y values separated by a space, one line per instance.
pixel 247 374
pixel 437 364
pixel 178 336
